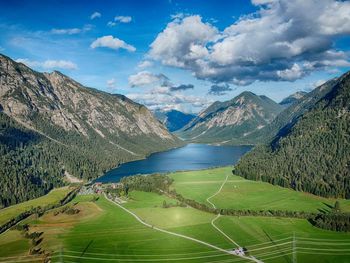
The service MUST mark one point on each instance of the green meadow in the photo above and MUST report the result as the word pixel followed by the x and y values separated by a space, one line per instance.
pixel 52 197
pixel 239 193
pixel 104 232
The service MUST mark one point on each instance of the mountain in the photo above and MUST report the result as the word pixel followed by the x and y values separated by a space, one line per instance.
pixel 173 119
pixel 286 102
pixel 51 126
pixel 291 114
pixel 311 150
pixel 231 121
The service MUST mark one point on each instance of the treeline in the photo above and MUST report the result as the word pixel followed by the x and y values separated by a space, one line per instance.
pixel 332 221
pixel 235 212
pixel 38 210
pixel 313 153
pixel 157 183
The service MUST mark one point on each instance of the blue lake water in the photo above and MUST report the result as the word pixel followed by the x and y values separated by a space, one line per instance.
pixel 189 157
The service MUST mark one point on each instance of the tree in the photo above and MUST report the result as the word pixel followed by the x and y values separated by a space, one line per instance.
pixel 336 207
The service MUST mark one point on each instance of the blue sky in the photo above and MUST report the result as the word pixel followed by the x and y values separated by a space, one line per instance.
pixel 209 50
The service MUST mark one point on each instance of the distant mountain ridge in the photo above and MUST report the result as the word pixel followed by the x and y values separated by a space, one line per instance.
pixel 83 130
pixel 173 119
pixel 308 148
pixel 289 115
pixel 231 121
pixel 286 102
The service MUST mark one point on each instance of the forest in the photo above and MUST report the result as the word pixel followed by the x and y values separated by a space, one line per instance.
pixel 311 154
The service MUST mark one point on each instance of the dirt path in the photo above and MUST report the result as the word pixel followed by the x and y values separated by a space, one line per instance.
pixel 176 234
pixel 218 216
pixel 213 205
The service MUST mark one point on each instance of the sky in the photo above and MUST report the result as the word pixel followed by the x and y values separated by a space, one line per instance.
pixel 184 55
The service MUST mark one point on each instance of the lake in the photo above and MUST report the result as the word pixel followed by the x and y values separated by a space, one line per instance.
pixel 189 157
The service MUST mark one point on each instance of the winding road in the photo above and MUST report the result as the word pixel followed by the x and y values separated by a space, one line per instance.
pixel 178 235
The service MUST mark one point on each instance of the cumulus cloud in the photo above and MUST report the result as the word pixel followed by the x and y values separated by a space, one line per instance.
pixel 144 78
pixel 70 31
pixel 145 64
pixel 112 42
pixel 167 101
pixel 182 42
pixel 219 89
pixel 95 15
pixel 283 40
pixel 111 84
pixel 48 64
pixel 182 87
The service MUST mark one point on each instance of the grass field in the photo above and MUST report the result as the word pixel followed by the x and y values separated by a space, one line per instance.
pixel 103 232
pixel 239 193
pixel 52 197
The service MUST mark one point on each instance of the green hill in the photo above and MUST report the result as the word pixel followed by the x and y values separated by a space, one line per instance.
pixel 311 150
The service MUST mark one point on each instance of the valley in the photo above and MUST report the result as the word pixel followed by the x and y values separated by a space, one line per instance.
pixel 175 131
pixel 103 231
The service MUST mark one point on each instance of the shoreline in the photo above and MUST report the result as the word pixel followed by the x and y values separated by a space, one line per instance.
pixel 170 171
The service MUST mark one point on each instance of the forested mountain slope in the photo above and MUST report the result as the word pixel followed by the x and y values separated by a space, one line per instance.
pixel 230 122
pixel 312 151
pixel 290 115
pixel 51 125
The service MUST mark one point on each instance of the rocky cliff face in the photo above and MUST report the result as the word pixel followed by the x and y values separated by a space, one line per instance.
pixel 51 126
pixel 231 121
pixel 63 102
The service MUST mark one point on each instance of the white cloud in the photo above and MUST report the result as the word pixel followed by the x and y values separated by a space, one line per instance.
pixel 111 84
pixel 291 74
pixel 123 19
pixel 71 31
pixel 111 24
pixel 112 42
pixel 283 40
pixel 182 41
pixel 144 78
pixel 95 15
pixel 145 64
pixel 48 64
pixel 158 98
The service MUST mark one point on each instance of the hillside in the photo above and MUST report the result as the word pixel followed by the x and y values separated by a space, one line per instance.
pixel 50 126
pixel 230 122
pixel 311 152
pixel 290 115
pixel 286 102
pixel 173 119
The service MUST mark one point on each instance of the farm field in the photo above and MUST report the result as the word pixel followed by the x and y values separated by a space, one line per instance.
pixel 239 193
pixel 103 231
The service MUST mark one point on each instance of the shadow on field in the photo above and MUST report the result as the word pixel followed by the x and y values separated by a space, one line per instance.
pixel 86 248
pixel 273 242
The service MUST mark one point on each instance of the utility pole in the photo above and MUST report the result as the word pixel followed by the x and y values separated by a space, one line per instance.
pixel 294 249
pixel 61 252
